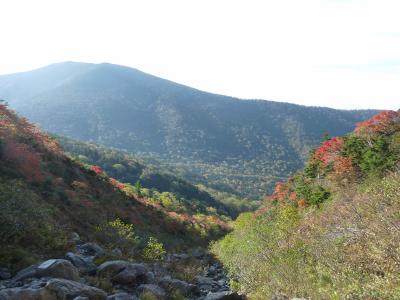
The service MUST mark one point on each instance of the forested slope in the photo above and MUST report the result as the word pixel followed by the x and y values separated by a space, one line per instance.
pixel 45 196
pixel 330 231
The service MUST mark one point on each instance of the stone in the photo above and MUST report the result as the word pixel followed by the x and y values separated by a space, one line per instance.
pixel 91 249
pixel 85 265
pixel 175 285
pixel 53 289
pixel 153 290
pixel 67 289
pixel 122 296
pixel 57 268
pixel 75 238
pixel 205 283
pixel 123 272
pixel 226 295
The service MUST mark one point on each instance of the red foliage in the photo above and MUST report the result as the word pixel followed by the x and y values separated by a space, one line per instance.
pixel 117 184
pixel 27 161
pixel 97 169
pixel 379 123
pixel 329 150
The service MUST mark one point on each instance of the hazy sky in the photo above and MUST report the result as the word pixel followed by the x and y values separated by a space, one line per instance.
pixel 342 54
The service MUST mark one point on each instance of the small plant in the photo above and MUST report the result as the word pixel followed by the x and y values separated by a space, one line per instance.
pixel 119 234
pixel 154 250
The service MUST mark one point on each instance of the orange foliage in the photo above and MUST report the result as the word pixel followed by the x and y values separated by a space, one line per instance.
pixel 302 203
pixel 27 161
pixel 379 123
pixel 343 165
pixel 115 183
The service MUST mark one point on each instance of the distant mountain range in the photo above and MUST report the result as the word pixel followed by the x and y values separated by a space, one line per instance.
pixel 240 146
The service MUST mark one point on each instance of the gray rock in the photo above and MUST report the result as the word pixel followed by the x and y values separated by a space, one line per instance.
pixel 175 285
pixel 122 296
pixel 123 272
pixel 91 249
pixel 206 284
pixel 75 238
pixel 84 264
pixel 67 289
pixel 57 268
pixel 52 289
pixel 26 294
pixel 153 290
pixel 227 295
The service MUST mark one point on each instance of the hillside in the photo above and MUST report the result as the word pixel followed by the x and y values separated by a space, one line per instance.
pixel 239 146
pixel 155 182
pixel 330 231
pixel 45 196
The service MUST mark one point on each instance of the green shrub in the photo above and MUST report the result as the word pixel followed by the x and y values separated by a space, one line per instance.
pixel 117 234
pixel 154 250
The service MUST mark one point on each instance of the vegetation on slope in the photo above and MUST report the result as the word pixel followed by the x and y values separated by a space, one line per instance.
pixel 242 147
pixel 331 231
pixel 162 186
pixel 45 196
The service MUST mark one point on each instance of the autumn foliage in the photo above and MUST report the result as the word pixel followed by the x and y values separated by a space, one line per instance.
pixel 380 123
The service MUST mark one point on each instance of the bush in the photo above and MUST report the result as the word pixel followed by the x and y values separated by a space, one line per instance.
pixel 117 234
pixel 154 250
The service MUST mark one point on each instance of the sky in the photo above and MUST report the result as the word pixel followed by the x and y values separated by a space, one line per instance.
pixel 335 53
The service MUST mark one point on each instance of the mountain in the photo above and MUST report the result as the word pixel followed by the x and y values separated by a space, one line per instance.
pixel 239 146
pixel 46 195
pixel 330 231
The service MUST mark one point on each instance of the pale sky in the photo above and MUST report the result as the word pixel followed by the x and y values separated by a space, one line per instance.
pixel 341 54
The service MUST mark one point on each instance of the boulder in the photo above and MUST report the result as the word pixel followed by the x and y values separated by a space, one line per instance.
pixel 84 264
pixel 206 284
pixel 75 238
pixel 122 296
pixel 67 289
pixel 123 272
pixel 52 289
pixel 57 268
pixel 153 290
pixel 91 249
pixel 226 295
pixel 173 286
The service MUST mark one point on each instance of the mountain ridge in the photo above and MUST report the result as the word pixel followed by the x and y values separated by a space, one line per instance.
pixel 223 139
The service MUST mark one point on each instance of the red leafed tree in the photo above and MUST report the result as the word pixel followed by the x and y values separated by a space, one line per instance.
pixel 379 123
pixel 329 150
pixel 27 161
pixel 97 169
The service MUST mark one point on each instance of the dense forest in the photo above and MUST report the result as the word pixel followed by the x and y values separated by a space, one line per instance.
pixel 227 144
pixel 330 231
pixel 154 182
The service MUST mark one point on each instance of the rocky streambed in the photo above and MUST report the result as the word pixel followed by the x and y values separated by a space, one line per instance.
pixel 77 277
